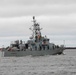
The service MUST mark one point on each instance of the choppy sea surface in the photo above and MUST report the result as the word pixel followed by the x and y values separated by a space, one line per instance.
pixel 40 65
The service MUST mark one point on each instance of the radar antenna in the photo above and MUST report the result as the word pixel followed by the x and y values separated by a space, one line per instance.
pixel 35 29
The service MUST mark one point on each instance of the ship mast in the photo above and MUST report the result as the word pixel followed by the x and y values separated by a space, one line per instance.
pixel 35 29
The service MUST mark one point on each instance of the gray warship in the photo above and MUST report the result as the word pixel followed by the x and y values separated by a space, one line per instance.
pixel 37 45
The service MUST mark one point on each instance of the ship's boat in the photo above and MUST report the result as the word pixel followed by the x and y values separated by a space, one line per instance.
pixel 37 45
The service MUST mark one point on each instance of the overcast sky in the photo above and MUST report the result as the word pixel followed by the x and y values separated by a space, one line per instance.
pixel 56 17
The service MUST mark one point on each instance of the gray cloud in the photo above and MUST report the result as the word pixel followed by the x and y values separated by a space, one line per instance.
pixel 56 17
pixel 60 25
pixel 28 2
pixel 12 8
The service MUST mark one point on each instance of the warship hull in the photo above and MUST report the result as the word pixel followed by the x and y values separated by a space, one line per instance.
pixel 19 53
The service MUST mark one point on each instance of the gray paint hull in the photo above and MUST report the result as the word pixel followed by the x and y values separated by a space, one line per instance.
pixel 33 52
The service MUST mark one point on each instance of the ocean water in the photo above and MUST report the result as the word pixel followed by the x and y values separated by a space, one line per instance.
pixel 40 65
